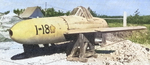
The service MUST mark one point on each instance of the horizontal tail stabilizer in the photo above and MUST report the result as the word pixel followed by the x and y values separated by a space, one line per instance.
pixel 113 29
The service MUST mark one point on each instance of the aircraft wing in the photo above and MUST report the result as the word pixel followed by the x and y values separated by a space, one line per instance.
pixel 103 30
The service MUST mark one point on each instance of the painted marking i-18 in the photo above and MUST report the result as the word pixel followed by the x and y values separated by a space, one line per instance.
pixel 46 29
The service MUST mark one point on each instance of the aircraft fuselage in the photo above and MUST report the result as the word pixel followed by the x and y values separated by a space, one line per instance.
pixel 51 29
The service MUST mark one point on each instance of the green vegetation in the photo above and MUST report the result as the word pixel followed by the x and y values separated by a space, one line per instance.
pixel 142 36
pixel 18 11
pixel 115 22
pixel 5 13
pixel 50 12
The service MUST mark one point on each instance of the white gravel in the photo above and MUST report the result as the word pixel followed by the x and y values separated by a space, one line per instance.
pixel 127 53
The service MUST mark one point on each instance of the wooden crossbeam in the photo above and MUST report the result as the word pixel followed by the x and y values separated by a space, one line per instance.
pixel 84 47
pixel 113 29
pixel 119 29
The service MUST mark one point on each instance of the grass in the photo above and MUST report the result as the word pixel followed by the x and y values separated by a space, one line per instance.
pixel 139 36
pixel 143 36
pixel 117 23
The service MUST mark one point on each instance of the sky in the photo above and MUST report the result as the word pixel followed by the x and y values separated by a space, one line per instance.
pixel 101 7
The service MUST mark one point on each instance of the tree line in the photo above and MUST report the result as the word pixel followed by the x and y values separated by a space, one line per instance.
pixel 5 13
pixel 134 19
pixel 50 12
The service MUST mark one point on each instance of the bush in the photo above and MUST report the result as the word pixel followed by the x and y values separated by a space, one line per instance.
pixel 138 19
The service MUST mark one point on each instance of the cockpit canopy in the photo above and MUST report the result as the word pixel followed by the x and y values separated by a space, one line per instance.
pixel 81 11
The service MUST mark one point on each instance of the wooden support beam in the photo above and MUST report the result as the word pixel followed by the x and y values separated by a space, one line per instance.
pixel 83 48
pixel 103 39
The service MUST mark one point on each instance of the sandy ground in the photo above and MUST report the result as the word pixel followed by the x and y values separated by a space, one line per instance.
pixel 9 49
pixel 106 56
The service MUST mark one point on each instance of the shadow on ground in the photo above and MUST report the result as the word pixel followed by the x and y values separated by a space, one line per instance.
pixel 48 50
pixel 104 51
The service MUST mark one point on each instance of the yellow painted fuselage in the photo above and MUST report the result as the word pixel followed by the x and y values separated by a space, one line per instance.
pixel 51 29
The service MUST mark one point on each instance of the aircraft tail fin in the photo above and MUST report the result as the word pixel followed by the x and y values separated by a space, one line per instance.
pixel 81 11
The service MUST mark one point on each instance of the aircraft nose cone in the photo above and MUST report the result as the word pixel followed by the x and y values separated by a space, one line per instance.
pixel 10 32
pixel 22 32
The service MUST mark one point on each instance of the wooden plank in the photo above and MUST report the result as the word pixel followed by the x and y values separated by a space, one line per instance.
pixel 76 31
pixel 113 29
pixel 103 39
pixel 118 29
